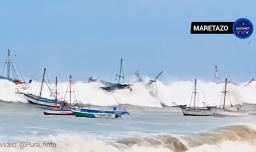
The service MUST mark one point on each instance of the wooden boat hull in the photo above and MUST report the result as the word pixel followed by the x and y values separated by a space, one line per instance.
pixel 93 115
pixel 41 101
pixel 227 113
pixel 58 112
pixel 196 112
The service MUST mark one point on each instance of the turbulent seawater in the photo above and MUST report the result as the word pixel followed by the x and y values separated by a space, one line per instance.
pixel 149 128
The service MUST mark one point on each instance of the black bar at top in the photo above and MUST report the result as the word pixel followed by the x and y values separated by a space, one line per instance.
pixel 210 28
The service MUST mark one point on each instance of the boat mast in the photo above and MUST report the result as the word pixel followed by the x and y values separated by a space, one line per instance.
pixel 120 71
pixel 56 92
pixel 8 64
pixel 70 81
pixel 42 83
pixel 154 80
pixel 195 95
pixel 139 79
pixel 216 74
pixel 70 89
pixel 10 68
pixel 225 92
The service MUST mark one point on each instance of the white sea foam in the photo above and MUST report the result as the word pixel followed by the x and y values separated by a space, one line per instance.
pixel 178 92
pixel 232 139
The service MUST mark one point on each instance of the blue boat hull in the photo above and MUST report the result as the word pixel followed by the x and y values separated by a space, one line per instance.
pixel 108 86
pixel 42 101
pixel 90 110
pixel 105 111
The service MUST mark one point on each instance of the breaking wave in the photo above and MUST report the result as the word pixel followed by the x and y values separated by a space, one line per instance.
pixel 235 138
pixel 167 93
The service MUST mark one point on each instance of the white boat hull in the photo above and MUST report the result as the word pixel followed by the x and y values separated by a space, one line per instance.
pixel 227 113
pixel 23 86
pixel 196 112
pixel 104 115
pixel 58 112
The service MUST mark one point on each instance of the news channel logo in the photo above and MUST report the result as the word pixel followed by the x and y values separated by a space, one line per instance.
pixel 243 28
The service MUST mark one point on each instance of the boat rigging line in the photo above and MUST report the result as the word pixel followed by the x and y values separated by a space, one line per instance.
pixel 11 68
pixel 42 77
pixel 110 78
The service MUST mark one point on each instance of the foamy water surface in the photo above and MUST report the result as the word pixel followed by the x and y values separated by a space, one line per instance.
pixel 148 128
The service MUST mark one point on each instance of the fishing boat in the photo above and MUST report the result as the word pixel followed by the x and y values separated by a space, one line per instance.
pixel 62 110
pixel 219 81
pixel 218 78
pixel 39 100
pixel 195 111
pixel 96 115
pixel 109 86
pixel 58 111
pixel 151 85
pixel 224 111
pixel 21 84
pixel 88 109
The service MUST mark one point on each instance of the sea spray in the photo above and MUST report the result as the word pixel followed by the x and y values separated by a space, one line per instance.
pixel 167 93
pixel 234 138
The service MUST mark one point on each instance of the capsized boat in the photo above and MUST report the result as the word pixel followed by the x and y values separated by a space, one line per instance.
pixel 223 111
pixel 62 110
pixel 151 85
pixel 218 80
pixel 21 84
pixel 196 111
pixel 39 100
pixel 96 115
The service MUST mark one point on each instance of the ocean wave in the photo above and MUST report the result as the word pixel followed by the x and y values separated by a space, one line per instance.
pixel 235 133
pixel 167 93
pixel 234 138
